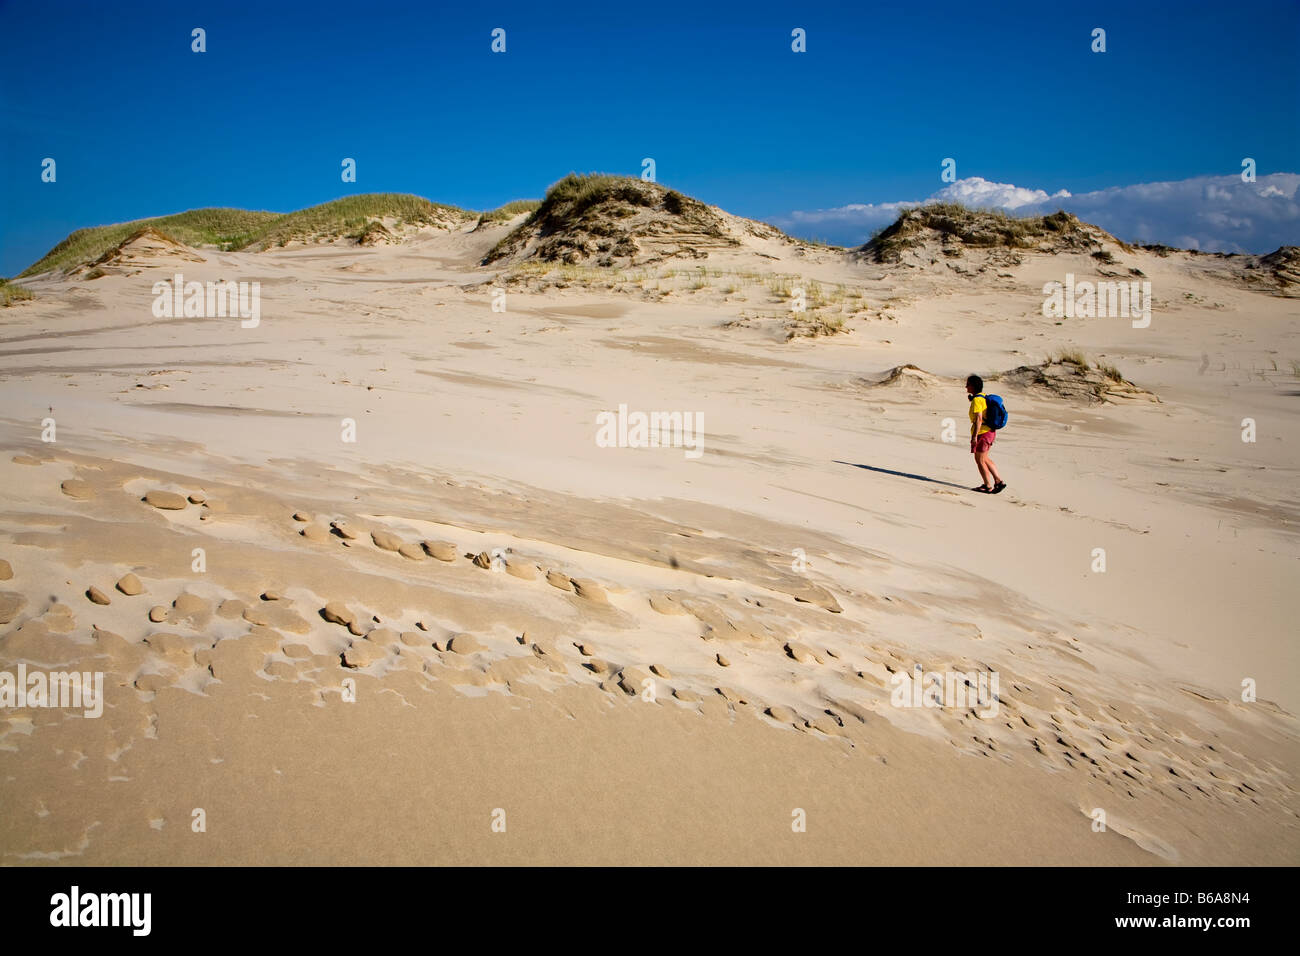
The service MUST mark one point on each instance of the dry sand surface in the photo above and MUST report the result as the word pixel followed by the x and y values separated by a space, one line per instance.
pixel 618 647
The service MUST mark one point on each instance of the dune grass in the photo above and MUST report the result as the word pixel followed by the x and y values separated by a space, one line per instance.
pixel 1071 357
pixel 198 227
pixel 509 210
pixel 580 212
pixel 980 228
pixel 346 216
pixel 1110 371
pixel 234 229
pixel 811 325
pixel 580 192
pixel 10 293
pixel 1081 361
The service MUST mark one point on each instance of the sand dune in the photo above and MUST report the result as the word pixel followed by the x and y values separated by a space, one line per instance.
pixel 637 655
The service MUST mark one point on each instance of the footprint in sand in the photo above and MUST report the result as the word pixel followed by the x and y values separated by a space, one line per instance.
pixel 345 530
pixel 77 488
pixel 802 653
pixel 278 615
pixel 190 609
pixel 363 653
pixel 335 612
pixel 11 605
pixel 465 644
pixel 586 588
pixel 130 585
pixel 525 570
pixel 667 603
pixel 557 580
pixel 165 500
pixel 442 550
pixel 386 540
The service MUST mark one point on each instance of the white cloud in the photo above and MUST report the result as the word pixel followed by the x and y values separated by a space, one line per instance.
pixel 1210 213
pixel 982 194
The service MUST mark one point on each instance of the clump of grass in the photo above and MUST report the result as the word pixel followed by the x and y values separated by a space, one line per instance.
pixel 1080 361
pixel 512 209
pixel 1157 248
pixel 811 325
pixel 371 231
pixel 779 286
pixel 815 294
pixel 1071 357
pixel 1110 371
pixel 816 241
pixel 10 293
pixel 558 274
pixel 509 211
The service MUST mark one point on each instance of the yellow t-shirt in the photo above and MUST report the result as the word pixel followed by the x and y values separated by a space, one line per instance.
pixel 978 405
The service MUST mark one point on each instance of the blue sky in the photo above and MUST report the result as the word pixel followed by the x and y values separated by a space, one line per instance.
pixel 139 125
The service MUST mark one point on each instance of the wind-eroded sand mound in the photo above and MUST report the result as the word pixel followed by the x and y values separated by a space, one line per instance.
pixel 613 220
pixel 1279 270
pixel 1073 379
pixel 143 249
pixel 909 378
pixel 950 229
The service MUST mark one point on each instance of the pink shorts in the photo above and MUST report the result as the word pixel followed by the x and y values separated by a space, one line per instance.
pixel 984 442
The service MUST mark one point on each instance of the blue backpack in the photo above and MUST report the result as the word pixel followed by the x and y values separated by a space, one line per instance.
pixel 996 415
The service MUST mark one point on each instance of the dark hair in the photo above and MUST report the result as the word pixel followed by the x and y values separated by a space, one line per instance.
pixel 976 381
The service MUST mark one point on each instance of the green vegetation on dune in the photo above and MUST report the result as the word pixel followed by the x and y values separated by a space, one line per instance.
pixel 510 210
pixel 1080 361
pixel 1069 357
pixel 580 212
pixel 234 229
pixel 982 228
pixel 350 216
pixel 578 192
pixel 223 228
pixel 9 294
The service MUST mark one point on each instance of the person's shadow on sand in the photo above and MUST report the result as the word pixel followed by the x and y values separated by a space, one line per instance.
pixel 901 474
